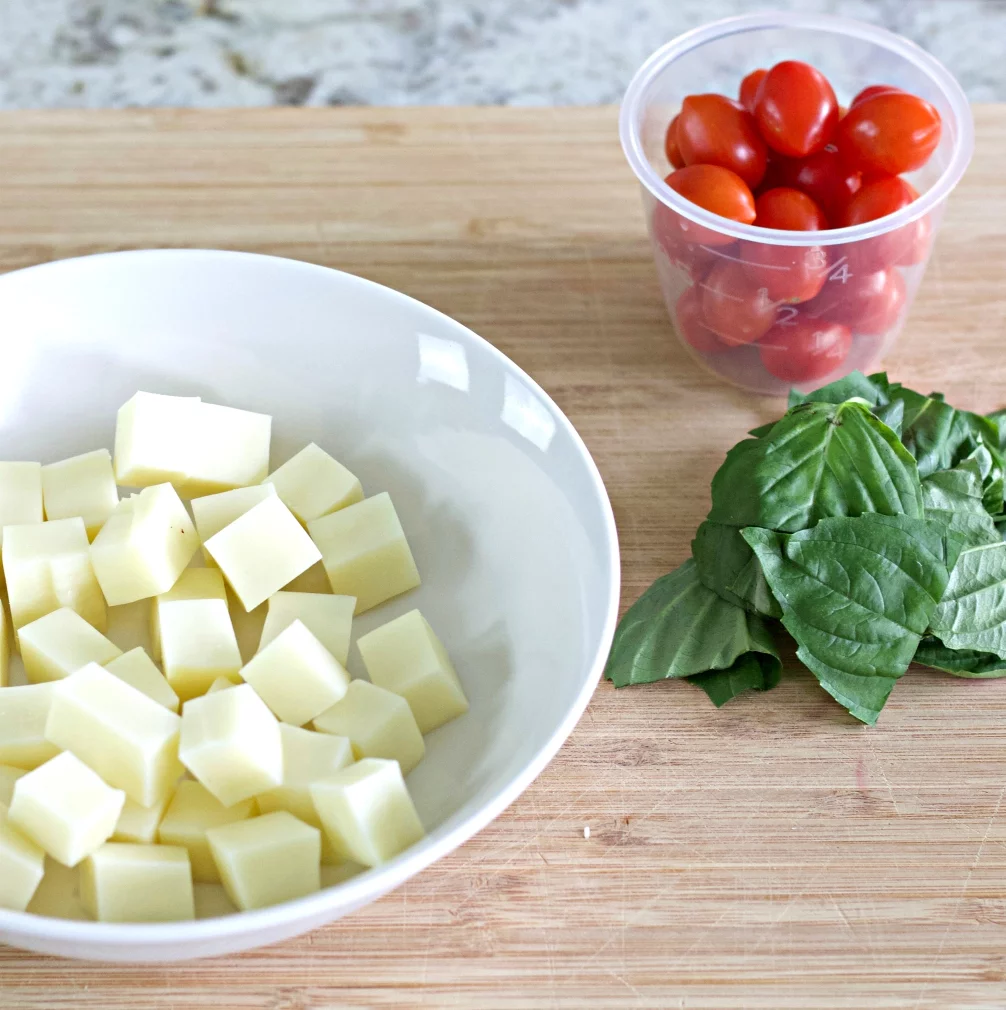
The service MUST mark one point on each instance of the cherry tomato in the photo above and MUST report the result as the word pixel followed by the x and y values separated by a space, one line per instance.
pixel 803 349
pixel 873 89
pixel 671 148
pixel 823 176
pixel 906 245
pixel 713 130
pixel 693 258
pixel 889 133
pixel 789 210
pixel 749 89
pixel 717 190
pixel 870 304
pixel 796 110
pixel 691 324
pixel 736 309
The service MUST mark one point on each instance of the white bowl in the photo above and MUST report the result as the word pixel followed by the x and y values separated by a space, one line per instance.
pixel 506 513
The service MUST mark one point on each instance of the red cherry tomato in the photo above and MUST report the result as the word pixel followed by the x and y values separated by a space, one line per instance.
pixel 823 177
pixel 717 190
pixel 789 210
pixel 870 304
pixel 692 326
pixel 889 133
pixel 736 309
pixel 804 350
pixel 796 111
pixel 749 89
pixel 691 257
pixel 906 245
pixel 713 130
pixel 873 89
pixel 671 148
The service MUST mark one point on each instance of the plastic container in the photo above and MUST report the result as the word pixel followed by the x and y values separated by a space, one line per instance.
pixel 872 270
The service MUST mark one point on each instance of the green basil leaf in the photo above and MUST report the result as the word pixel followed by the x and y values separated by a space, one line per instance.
pixel 679 628
pixel 954 499
pixel 998 418
pixel 755 671
pixel 855 384
pixel 857 595
pixel 960 662
pixel 728 566
pixel 892 414
pixel 762 430
pixel 972 612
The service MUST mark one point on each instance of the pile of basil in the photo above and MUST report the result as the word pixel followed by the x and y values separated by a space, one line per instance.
pixel 867 523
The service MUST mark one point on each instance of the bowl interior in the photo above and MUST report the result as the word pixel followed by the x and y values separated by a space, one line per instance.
pixel 505 512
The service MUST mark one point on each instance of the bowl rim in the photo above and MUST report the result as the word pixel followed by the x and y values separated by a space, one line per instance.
pixel 963 126
pixel 372 883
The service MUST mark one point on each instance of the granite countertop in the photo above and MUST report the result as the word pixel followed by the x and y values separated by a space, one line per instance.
pixel 93 53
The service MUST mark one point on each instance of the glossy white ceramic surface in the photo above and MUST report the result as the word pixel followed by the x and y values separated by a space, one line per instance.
pixel 505 511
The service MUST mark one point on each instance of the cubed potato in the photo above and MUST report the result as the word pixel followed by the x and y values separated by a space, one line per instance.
pixel 193 810
pixel 296 676
pixel 314 580
pixel 192 584
pixel 261 551
pixel 247 625
pixel 61 643
pixel 220 684
pixel 313 484
pixel 22 864
pixel 307 757
pixel 365 553
pixel 329 618
pixel 267 859
pixel 23 714
pixel 81 486
pixel 8 776
pixel 367 812
pixel 231 743
pixel 20 495
pixel 213 512
pixel 212 901
pixel 48 566
pixel 58 896
pixel 65 808
pixel 143 548
pixel 126 737
pixel 378 723
pixel 138 670
pixel 139 824
pixel 198 645
pixel 122 882
pixel 405 656
pixel 335 873
pixel 200 448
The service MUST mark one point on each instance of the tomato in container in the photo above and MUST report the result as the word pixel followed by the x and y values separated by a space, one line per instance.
pixel 802 349
pixel 735 306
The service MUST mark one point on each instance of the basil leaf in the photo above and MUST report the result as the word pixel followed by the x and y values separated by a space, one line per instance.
pixel 989 465
pixel 679 628
pixel 820 460
pixel 954 499
pixel 972 612
pixel 756 671
pixel 727 566
pixel 857 595
pixel 762 430
pixel 998 418
pixel 960 662
pixel 855 384
pixel 892 414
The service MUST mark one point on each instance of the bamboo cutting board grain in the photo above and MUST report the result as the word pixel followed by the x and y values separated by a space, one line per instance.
pixel 774 855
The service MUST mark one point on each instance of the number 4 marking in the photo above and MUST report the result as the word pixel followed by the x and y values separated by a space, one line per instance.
pixel 840 272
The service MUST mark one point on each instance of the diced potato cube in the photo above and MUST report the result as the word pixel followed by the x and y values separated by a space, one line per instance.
pixel 144 546
pixel 247 626
pixel 267 859
pixel 23 713
pixel 296 676
pixel 61 643
pixel 126 737
pixel 22 864
pixel 200 448
pixel 192 812
pixel 365 553
pixel 307 757
pixel 314 580
pixel 220 684
pixel 192 584
pixel 8 776
pixel 378 723
pixel 198 645
pixel 336 873
pixel 20 495
pixel 405 656
pixel 81 486
pixel 212 901
pixel 65 808
pixel 213 512
pixel 137 669
pixel 313 484
pixel 231 743
pixel 121 882
pixel 58 896
pixel 139 824
pixel 367 812
pixel 261 551
pixel 329 618
pixel 48 566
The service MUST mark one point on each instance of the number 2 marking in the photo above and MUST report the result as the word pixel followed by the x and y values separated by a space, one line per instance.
pixel 787 315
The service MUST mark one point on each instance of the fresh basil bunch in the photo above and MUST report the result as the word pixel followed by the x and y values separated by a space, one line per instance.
pixel 867 523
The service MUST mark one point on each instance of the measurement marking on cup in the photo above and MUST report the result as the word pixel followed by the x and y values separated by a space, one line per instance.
pixel 787 315
pixel 840 271
pixel 722 294
pixel 737 259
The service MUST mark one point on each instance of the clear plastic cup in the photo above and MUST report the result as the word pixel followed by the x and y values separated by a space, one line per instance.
pixel 871 271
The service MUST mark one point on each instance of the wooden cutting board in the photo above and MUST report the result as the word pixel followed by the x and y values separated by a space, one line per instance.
pixel 771 855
